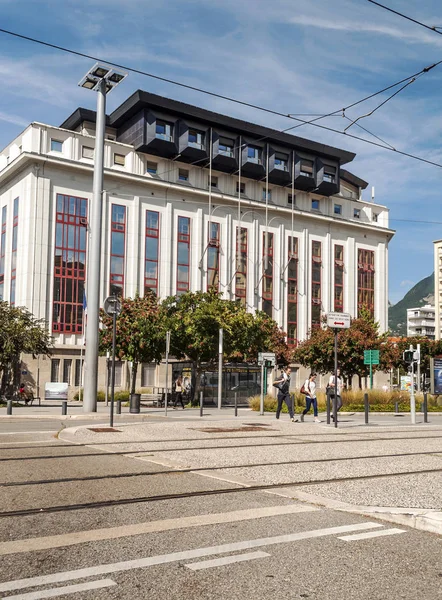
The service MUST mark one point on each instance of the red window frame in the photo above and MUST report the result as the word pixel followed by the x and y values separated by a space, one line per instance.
pixel 116 280
pixel 3 251
pixel 241 266
pixel 14 252
pixel 213 256
pixel 267 275
pixel 69 264
pixel 366 274
pixel 292 292
pixel 316 283
pixel 151 262
pixel 183 263
pixel 339 275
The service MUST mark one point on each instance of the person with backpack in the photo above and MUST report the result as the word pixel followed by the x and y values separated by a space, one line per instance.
pixel 178 392
pixel 283 385
pixel 309 389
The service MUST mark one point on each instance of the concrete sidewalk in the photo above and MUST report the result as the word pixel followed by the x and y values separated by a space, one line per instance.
pixel 388 469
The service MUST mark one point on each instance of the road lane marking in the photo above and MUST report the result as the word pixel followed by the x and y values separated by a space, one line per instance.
pixel 371 534
pixel 150 561
pixel 94 535
pixel 226 560
pixel 27 432
pixel 61 591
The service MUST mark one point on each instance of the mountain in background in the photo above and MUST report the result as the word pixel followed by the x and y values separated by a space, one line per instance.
pixel 419 295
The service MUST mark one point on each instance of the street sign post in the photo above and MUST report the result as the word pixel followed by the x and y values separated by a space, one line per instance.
pixel 336 321
pixel 112 307
pixel 371 357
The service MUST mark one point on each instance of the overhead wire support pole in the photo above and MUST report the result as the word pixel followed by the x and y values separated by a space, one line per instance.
pixel 238 238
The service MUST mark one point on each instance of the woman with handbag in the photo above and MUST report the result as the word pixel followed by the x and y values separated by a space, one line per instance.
pixel 179 392
pixel 309 389
pixel 283 385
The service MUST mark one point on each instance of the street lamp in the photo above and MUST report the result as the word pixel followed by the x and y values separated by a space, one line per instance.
pixel 101 79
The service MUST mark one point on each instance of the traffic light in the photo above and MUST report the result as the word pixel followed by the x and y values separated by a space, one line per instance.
pixel 408 356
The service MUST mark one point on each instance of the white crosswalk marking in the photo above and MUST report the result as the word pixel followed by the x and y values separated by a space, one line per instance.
pixel 150 561
pixel 65 590
pixel 370 534
pixel 226 560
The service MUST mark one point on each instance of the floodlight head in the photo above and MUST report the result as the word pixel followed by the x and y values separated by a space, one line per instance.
pixel 100 72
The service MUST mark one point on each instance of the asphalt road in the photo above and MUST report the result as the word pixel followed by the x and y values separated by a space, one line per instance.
pixel 261 545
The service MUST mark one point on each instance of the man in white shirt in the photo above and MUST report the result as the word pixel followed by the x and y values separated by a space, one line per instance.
pixel 332 386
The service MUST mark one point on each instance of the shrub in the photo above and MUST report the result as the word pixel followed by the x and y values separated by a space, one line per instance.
pixel 101 395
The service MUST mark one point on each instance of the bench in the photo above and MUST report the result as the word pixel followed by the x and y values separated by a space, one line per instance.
pixel 154 399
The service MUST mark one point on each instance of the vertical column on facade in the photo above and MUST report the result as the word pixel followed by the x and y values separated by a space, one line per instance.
pixel 304 289
pixel 43 243
pixel 199 238
pixel 134 263
pixel 351 275
pixel 278 286
pixel 227 250
pixel 437 290
pixel 257 264
pixel 26 195
pixel 167 256
pixel 103 290
pixel 381 286
pixel 327 275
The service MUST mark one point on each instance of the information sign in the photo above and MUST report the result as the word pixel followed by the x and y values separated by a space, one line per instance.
pixel 267 357
pixel 338 320
pixel 371 357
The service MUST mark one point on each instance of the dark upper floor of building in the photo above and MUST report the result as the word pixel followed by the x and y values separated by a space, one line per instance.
pixel 171 129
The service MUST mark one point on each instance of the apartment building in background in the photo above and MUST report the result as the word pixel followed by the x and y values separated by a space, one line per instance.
pixel 421 321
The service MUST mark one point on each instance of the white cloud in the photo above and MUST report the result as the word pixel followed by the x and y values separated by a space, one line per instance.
pixel 407 283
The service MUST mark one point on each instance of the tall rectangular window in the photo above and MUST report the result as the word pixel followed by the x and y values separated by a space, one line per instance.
pixel 241 267
pixel 78 372
pixel 164 130
pixel 213 256
pixel 339 279
pixel 267 278
pixel 67 368
pixel 316 284
pixel 2 253
pixel 55 370
pixel 183 256
pixel 118 245
pixel 152 241
pixel 366 280
pixel 14 252
pixel 69 264
pixel 292 292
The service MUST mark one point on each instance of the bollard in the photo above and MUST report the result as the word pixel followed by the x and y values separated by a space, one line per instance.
pixel 422 407
pixel 425 407
pixel 118 407
pixel 9 407
pixel 64 408
pixel 396 407
pixel 201 404
pixel 366 407
pixel 236 404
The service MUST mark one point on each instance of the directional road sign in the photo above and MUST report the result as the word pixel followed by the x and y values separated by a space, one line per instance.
pixel 338 320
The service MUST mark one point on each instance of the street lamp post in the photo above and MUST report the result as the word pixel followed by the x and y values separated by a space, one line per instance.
pixel 101 79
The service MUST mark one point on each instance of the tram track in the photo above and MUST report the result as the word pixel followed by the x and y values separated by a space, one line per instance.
pixel 220 447
pixel 200 493
pixel 179 470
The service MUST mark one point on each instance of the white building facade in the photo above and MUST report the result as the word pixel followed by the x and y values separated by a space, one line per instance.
pixel 182 186
pixel 421 321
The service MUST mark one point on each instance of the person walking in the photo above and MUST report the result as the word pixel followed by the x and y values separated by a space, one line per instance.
pixel 310 398
pixel 283 384
pixel 178 392
pixel 336 388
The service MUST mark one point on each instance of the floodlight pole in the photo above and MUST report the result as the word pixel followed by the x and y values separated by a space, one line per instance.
pixel 93 275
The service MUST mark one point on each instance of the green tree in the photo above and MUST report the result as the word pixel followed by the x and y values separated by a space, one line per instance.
pixel 195 318
pixel 20 333
pixel 140 335
pixel 317 352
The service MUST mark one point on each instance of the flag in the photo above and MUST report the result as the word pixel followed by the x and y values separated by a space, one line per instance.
pixel 84 318
pixel 84 304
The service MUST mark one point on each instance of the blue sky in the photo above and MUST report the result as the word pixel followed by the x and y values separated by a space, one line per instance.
pixel 290 55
